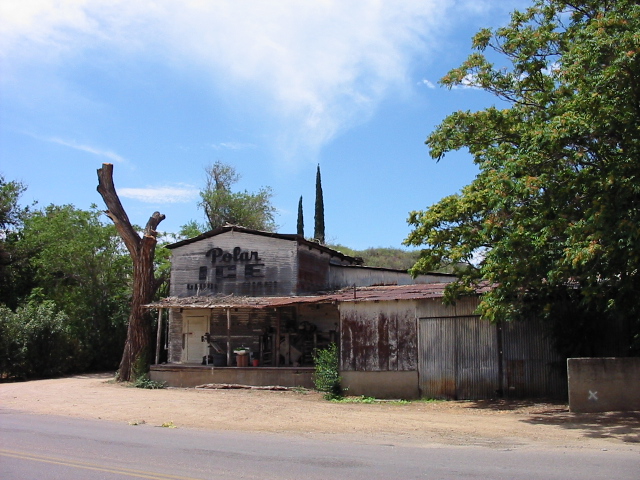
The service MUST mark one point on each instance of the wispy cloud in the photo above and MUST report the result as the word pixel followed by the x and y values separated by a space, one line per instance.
pixel 315 68
pixel 89 149
pixel 427 83
pixel 163 194
pixel 232 146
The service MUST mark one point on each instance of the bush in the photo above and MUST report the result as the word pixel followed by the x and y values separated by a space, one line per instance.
pixel 327 375
pixel 35 342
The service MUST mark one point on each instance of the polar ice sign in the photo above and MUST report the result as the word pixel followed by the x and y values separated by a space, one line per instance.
pixel 219 256
pixel 239 270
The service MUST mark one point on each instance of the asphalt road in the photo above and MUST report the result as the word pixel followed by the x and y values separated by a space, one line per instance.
pixel 38 447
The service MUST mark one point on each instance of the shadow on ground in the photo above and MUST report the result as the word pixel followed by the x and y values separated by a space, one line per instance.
pixel 623 426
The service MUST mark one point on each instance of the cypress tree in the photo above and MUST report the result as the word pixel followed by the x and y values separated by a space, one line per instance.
pixel 300 218
pixel 319 218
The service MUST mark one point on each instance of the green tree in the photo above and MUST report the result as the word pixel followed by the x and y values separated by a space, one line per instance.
pixel 15 274
pixel 80 264
pixel 300 230
pixel 552 220
pixel 318 232
pixel 222 205
pixel 191 229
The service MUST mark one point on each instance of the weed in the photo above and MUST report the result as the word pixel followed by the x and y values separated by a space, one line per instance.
pixel 168 425
pixel 145 382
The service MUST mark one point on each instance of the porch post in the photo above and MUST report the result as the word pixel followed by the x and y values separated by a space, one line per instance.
pixel 228 337
pixel 159 335
pixel 276 344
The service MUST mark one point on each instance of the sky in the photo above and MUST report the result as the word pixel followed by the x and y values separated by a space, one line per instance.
pixel 161 89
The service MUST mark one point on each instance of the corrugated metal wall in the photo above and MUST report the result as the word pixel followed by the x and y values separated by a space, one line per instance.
pixel 531 366
pixel 458 358
pixel 469 358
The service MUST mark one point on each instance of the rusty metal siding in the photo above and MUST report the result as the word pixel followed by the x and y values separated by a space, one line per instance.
pixel 436 361
pixel 378 337
pixel 531 366
pixel 340 276
pixel 434 308
pixel 458 358
pixel 272 273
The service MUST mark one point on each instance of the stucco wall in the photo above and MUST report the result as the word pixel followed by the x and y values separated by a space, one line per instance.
pixel 397 385
pixel 192 376
pixel 604 384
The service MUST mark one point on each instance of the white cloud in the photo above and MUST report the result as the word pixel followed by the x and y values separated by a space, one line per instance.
pixel 86 148
pixel 427 83
pixel 468 81
pixel 232 146
pixel 315 68
pixel 165 194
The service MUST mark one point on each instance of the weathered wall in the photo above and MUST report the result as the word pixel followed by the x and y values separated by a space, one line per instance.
pixel 604 384
pixel 459 358
pixel 341 276
pixel 378 336
pixel 399 385
pixel 192 376
pixel 174 355
pixel 434 308
pixel 531 367
pixel 235 262
pixel 464 357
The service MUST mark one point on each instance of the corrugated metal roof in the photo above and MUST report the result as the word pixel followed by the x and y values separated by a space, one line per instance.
pixel 384 293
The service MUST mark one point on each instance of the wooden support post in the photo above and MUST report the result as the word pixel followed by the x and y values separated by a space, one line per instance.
pixel 159 336
pixel 228 337
pixel 276 346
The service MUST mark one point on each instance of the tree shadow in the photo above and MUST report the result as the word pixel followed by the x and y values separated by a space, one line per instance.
pixel 623 426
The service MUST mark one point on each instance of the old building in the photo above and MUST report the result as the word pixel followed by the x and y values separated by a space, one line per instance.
pixel 251 307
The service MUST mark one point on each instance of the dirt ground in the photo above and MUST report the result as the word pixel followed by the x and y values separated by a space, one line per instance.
pixel 498 424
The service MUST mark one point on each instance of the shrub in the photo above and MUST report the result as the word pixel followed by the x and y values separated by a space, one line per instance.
pixel 327 375
pixel 35 341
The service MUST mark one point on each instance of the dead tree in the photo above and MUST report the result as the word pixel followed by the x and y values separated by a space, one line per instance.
pixel 137 355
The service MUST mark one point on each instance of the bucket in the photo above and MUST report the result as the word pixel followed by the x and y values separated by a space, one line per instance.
pixel 219 360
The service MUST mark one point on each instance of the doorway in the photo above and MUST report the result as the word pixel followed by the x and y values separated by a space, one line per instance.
pixel 195 326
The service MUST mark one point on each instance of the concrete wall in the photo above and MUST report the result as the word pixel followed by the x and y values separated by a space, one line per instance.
pixel 192 376
pixel 604 384
pixel 397 385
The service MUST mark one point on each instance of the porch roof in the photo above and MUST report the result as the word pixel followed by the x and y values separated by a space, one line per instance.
pixel 357 294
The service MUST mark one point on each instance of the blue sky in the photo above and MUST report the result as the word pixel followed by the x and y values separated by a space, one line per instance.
pixel 162 89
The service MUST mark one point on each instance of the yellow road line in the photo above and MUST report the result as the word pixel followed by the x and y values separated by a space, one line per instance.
pixel 91 466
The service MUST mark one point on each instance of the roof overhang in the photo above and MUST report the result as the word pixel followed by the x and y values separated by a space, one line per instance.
pixel 383 293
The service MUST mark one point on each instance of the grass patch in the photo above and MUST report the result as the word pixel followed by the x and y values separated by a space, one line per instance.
pixel 367 400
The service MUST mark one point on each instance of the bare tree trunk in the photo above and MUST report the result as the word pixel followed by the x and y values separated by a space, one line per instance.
pixel 136 356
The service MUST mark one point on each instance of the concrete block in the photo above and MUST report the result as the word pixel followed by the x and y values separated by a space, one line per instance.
pixel 604 384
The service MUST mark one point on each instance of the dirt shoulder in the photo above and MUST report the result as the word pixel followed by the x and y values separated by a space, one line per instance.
pixel 499 424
